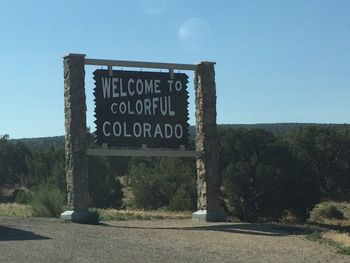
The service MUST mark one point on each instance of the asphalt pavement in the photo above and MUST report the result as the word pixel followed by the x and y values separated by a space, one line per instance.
pixel 52 240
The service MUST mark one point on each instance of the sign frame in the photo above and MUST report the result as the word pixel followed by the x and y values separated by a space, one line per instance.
pixel 76 142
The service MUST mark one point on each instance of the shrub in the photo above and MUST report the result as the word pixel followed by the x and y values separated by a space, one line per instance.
pixel 48 201
pixel 105 189
pixel 181 201
pixel 326 211
pixel 24 197
pixel 332 212
pixel 169 183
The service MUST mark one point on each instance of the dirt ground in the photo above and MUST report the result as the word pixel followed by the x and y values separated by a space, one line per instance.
pixel 51 240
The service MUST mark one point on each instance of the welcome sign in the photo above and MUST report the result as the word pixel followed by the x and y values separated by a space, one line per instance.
pixel 133 108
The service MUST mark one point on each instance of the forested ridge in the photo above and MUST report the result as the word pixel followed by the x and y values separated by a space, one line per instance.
pixel 275 128
pixel 265 172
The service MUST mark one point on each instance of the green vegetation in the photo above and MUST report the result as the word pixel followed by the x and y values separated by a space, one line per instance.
pixel 47 201
pixel 24 197
pixel 265 175
pixel 344 250
pixel 325 153
pixel 164 183
pixel 314 235
pixel 104 186
pixel 37 177
pixel 259 173
pixel 42 143
pixel 326 211
pixel 13 166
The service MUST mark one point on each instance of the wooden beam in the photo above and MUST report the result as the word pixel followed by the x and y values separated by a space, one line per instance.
pixel 141 152
pixel 139 64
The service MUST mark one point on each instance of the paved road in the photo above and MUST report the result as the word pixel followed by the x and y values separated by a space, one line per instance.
pixel 51 240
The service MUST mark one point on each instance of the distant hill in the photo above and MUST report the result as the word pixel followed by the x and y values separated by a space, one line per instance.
pixel 41 143
pixel 281 128
pixel 276 128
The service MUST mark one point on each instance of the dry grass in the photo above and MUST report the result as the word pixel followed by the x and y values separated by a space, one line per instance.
pixel 113 214
pixel 15 210
pixel 25 211
pixel 333 215
pixel 343 239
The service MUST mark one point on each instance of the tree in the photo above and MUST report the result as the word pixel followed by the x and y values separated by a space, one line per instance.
pixel 12 161
pixel 46 166
pixel 104 186
pixel 326 151
pixel 261 178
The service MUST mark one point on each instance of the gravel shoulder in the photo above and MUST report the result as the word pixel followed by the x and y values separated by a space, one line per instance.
pixel 45 240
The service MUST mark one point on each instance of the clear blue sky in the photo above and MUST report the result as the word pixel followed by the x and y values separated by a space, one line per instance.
pixel 277 61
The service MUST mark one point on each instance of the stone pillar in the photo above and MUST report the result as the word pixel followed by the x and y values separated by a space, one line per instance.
pixel 75 138
pixel 208 178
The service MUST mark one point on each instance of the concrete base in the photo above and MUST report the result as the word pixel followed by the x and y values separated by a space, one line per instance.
pixel 211 216
pixel 200 215
pixel 79 216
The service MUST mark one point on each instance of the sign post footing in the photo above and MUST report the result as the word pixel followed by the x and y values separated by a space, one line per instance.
pixel 83 216
pixel 210 216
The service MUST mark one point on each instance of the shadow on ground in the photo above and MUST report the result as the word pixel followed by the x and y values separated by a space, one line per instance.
pixel 238 228
pixel 9 233
pixel 256 229
pixel 332 227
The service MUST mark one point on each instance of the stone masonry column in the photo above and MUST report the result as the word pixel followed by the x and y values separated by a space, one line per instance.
pixel 208 178
pixel 75 138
